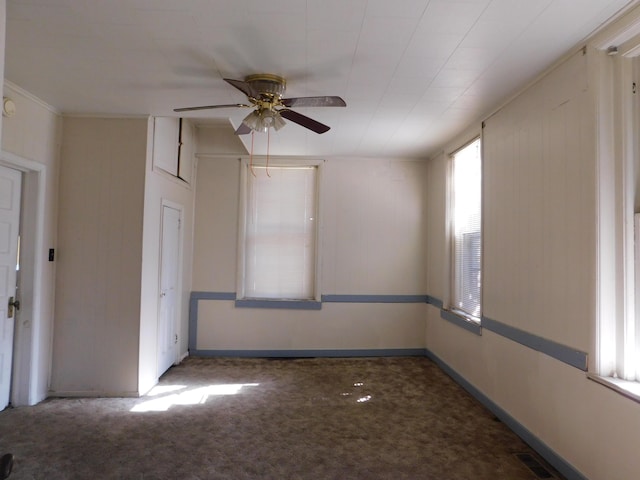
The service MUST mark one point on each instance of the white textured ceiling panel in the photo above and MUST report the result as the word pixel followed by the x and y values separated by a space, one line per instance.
pixel 413 72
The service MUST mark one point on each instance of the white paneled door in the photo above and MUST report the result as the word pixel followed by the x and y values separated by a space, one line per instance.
pixel 169 268
pixel 10 183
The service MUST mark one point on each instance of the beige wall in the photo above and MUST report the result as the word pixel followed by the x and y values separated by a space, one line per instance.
pixel 161 186
pixel 539 275
pixel 539 205
pixel 3 29
pixel 372 238
pixel 33 135
pixel 374 226
pixel 104 337
pixel 98 281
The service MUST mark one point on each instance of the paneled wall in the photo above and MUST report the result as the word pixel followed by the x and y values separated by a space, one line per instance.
pixel 539 205
pixel 107 287
pixel 160 186
pixel 539 272
pixel 372 237
pixel 33 134
pixel 374 226
pixel 98 282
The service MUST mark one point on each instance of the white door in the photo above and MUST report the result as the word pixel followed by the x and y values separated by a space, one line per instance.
pixel 169 267
pixel 10 183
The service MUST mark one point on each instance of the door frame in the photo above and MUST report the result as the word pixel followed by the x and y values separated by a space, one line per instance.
pixel 180 208
pixel 33 334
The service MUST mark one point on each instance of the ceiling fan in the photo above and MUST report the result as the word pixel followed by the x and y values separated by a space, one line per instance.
pixel 264 93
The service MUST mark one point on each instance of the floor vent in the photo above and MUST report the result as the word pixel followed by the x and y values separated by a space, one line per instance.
pixel 534 465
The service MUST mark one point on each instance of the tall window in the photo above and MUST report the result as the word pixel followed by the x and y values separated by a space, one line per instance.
pixel 618 269
pixel 466 200
pixel 280 232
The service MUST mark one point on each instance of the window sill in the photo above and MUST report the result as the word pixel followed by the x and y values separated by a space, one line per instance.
pixel 282 304
pixel 463 321
pixel 627 388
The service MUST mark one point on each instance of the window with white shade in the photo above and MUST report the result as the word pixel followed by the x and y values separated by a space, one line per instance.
pixel 278 257
pixel 466 201
pixel 617 359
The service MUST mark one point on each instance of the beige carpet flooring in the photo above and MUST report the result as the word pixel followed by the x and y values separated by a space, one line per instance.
pixel 353 418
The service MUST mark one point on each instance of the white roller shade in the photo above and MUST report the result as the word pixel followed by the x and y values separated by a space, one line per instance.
pixel 280 233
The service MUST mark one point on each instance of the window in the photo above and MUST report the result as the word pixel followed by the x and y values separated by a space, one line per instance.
pixel 466 200
pixel 617 362
pixel 278 235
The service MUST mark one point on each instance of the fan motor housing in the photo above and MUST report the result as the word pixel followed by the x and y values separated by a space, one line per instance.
pixel 267 85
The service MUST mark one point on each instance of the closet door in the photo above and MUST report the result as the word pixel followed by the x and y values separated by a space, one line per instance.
pixel 169 288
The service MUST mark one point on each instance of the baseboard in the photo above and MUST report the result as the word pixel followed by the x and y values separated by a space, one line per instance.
pixel 559 463
pixel 91 394
pixel 386 352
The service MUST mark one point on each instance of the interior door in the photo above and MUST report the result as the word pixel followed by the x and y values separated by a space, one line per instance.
pixel 10 184
pixel 169 268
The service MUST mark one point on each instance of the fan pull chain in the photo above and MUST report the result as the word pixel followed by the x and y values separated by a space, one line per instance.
pixel 268 141
pixel 251 156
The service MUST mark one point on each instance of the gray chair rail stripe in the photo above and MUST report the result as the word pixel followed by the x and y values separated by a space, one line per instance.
pixel 560 352
pixel 284 304
pixel 374 298
pixel 436 302
pixel 213 295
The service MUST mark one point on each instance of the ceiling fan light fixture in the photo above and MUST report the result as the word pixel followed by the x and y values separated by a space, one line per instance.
pixel 262 120
pixel 253 121
pixel 272 119
pixel 278 122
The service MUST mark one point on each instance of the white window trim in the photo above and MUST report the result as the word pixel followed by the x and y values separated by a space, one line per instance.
pixel 242 218
pixel 449 280
pixel 617 300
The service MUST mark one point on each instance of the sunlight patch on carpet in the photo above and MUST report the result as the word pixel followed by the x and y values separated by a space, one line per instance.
pixel 162 389
pixel 195 396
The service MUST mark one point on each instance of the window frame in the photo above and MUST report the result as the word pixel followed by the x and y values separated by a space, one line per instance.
pixel 242 300
pixel 451 238
pixel 616 72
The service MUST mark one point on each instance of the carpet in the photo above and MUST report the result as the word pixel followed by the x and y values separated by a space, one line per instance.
pixel 234 419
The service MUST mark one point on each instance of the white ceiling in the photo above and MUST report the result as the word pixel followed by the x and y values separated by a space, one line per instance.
pixel 413 72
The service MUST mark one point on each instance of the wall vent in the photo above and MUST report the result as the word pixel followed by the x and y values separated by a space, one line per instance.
pixel 534 465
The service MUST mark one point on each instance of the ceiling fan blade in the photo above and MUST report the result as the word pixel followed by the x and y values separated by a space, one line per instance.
pixel 207 107
pixel 304 121
pixel 326 101
pixel 243 86
pixel 243 129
